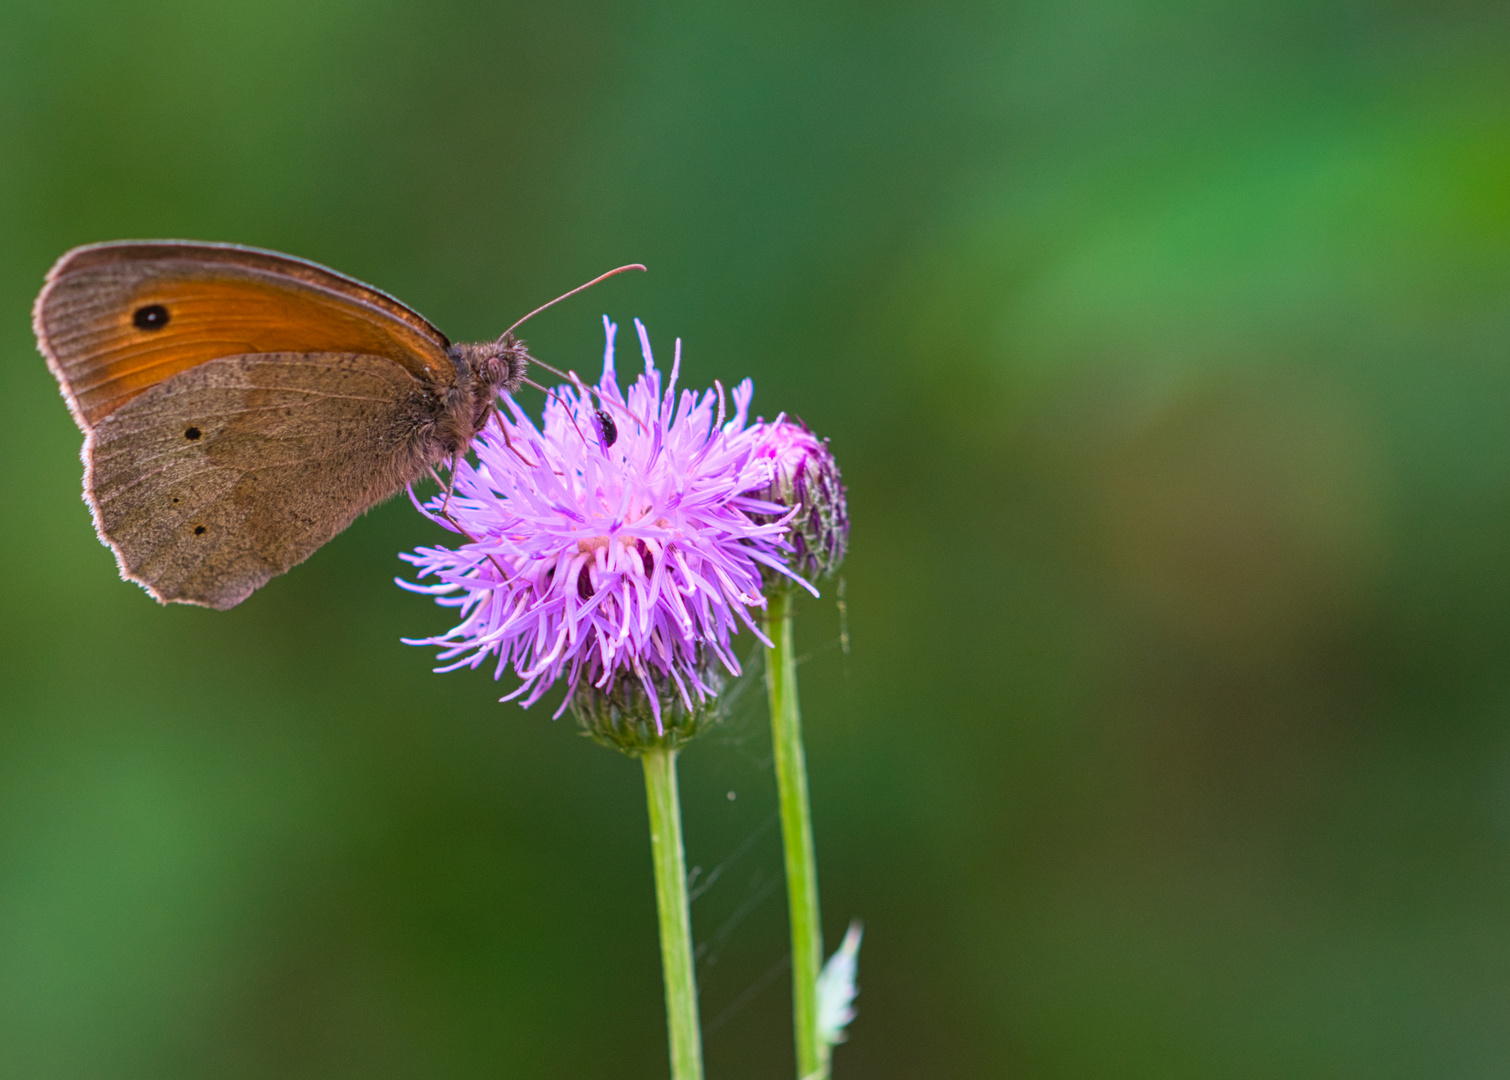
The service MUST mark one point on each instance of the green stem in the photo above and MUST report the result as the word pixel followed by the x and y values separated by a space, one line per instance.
pixel 796 837
pixel 675 917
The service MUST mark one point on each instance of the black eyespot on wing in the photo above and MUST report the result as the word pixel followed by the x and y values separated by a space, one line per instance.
pixel 199 530
pixel 151 317
pixel 192 433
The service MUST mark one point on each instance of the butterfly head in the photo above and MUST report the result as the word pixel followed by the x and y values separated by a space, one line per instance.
pixel 489 368
pixel 492 367
pixel 483 371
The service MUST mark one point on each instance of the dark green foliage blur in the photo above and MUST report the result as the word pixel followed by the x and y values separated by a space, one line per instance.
pixel 1166 350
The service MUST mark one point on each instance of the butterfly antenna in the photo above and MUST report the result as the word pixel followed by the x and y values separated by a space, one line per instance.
pixel 574 292
pixel 572 376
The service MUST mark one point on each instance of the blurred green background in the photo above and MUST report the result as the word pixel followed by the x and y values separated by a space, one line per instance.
pixel 1166 349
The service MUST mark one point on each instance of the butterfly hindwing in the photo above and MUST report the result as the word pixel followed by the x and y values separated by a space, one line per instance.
pixel 229 473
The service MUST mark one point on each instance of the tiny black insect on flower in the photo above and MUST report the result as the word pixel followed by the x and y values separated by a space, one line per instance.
pixel 607 428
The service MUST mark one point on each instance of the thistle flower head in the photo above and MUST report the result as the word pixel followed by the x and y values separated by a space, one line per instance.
pixel 805 481
pixel 623 539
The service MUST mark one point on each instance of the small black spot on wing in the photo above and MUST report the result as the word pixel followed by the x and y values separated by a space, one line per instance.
pixel 150 317
pixel 192 433
pixel 199 530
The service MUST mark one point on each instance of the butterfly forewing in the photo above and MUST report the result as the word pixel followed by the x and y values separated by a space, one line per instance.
pixel 115 320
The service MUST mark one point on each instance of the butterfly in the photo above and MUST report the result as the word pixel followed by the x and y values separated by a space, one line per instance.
pixel 241 407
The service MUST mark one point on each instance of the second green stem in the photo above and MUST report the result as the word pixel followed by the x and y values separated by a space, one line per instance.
pixel 796 836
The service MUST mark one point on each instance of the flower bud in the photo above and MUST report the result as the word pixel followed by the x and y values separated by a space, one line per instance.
pixel 805 474
pixel 622 716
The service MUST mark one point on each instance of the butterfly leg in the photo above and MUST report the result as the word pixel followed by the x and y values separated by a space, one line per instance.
pixel 450 484
pixel 509 443
pixel 502 573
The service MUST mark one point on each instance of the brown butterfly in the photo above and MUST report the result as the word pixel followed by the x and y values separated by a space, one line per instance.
pixel 241 407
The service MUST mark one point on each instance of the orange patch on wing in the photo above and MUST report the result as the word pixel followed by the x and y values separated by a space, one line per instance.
pixel 107 359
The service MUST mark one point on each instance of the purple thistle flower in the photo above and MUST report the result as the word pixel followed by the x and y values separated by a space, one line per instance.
pixel 805 480
pixel 621 541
